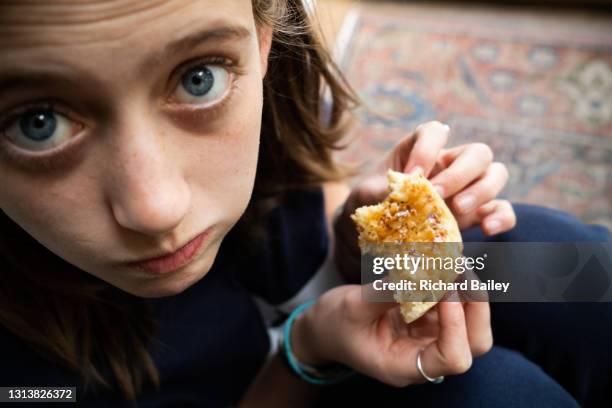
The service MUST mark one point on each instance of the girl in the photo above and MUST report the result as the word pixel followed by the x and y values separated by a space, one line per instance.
pixel 164 163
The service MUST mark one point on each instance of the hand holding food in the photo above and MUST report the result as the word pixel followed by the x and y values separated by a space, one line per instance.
pixel 373 337
pixel 465 177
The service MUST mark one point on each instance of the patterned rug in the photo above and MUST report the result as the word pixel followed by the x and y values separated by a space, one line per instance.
pixel 536 87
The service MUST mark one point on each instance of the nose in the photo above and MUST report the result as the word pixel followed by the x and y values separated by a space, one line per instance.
pixel 146 188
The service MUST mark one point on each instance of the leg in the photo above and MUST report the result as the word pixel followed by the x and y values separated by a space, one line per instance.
pixel 570 341
pixel 500 378
pixel 540 224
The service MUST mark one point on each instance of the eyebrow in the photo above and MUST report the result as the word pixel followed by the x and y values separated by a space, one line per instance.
pixel 14 81
pixel 21 81
pixel 226 33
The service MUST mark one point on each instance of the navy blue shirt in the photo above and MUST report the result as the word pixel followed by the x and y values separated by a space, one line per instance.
pixel 211 339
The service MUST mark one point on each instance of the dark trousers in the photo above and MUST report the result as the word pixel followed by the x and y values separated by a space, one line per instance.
pixel 545 354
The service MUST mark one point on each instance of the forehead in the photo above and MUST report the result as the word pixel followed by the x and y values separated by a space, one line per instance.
pixel 50 23
pixel 108 43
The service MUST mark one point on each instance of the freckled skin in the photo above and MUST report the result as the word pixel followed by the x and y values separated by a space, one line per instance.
pixel 150 176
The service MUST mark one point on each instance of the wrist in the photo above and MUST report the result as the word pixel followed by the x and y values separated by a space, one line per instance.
pixel 309 365
pixel 303 340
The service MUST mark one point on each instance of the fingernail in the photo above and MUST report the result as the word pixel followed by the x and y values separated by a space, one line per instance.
pixel 446 127
pixel 492 226
pixel 417 170
pixel 466 202
pixel 439 189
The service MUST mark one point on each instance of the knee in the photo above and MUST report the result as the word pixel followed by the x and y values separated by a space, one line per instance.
pixel 500 378
pixel 504 377
pixel 546 224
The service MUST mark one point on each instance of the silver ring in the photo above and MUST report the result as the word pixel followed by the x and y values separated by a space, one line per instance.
pixel 436 380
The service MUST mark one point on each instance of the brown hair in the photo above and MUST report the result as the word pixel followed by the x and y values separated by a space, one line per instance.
pixel 93 328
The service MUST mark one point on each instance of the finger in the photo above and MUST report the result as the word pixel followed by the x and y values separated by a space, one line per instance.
pixel 471 164
pixel 398 156
pixel 451 296
pixel 450 155
pixel 446 157
pixel 468 220
pixel 499 210
pixel 471 295
pixel 478 322
pixel 430 137
pixel 501 219
pixel 450 354
pixel 475 217
pixel 483 190
pixel 486 209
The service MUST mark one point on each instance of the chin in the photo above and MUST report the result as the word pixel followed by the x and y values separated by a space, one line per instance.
pixel 175 284
pixel 168 286
pixel 163 291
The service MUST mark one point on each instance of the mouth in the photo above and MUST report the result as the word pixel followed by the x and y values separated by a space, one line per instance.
pixel 170 262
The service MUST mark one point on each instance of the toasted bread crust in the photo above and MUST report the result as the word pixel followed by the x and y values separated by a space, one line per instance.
pixel 413 212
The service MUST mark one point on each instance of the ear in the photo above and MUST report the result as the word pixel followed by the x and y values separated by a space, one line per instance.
pixel 264 34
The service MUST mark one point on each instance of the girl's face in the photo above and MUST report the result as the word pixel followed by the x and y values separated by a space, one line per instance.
pixel 129 128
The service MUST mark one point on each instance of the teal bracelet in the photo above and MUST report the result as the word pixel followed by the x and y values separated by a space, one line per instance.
pixel 334 375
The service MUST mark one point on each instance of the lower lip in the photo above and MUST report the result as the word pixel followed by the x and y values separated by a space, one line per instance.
pixel 178 259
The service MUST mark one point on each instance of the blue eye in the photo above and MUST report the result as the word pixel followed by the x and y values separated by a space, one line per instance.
pixel 38 125
pixel 39 129
pixel 203 84
pixel 198 81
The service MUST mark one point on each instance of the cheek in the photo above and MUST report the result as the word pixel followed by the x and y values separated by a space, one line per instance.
pixel 54 213
pixel 225 160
